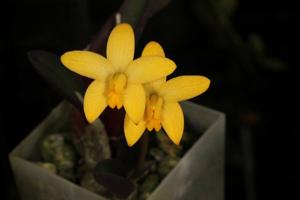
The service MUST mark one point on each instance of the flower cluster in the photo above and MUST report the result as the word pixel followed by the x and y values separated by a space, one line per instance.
pixel 139 85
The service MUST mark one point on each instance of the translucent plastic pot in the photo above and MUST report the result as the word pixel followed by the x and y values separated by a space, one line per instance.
pixel 198 175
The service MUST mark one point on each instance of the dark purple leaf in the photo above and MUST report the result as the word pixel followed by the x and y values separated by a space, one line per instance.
pixel 48 65
pixel 111 174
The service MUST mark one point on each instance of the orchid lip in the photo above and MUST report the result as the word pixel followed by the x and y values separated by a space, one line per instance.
pixel 116 84
pixel 153 112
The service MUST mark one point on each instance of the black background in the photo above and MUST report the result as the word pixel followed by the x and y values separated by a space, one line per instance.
pixel 257 167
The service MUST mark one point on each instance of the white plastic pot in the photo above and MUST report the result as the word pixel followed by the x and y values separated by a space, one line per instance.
pixel 198 175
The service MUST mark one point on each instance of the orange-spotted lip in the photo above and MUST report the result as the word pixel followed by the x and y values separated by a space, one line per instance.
pixel 153 112
pixel 115 88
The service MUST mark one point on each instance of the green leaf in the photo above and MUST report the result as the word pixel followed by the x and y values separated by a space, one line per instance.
pixel 67 83
pixel 132 10
pixel 256 43
pixel 151 8
pixel 135 12
pixel 274 64
pixel 227 7
pixel 138 12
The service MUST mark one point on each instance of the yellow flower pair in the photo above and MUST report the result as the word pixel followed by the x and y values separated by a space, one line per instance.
pixel 139 85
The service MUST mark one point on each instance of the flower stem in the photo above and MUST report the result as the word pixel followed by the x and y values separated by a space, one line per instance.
pixel 143 152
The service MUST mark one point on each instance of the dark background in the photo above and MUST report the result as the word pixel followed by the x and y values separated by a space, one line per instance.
pixel 248 58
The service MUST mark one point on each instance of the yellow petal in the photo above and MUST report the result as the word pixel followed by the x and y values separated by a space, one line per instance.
pixel 132 131
pixel 134 102
pixel 153 49
pixel 184 87
pixel 87 64
pixel 120 46
pixel 94 101
pixel 154 86
pixel 173 121
pixel 146 69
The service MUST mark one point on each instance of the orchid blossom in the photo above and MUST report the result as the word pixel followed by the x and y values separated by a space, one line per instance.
pixel 118 78
pixel 162 97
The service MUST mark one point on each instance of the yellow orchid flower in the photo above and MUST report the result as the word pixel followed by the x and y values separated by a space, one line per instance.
pixel 118 78
pixel 162 107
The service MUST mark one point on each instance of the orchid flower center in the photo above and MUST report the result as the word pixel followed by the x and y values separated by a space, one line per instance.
pixel 115 88
pixel 153 111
